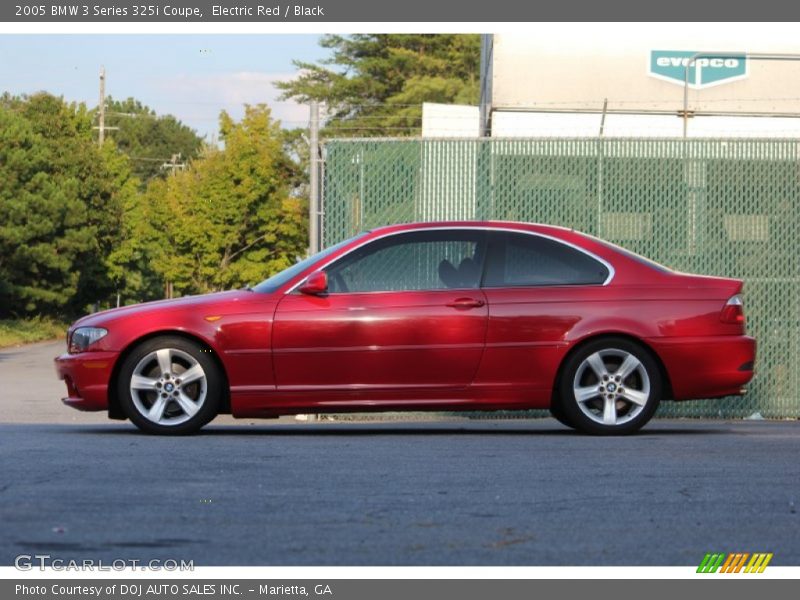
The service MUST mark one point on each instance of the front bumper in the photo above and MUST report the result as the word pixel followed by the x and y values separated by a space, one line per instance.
pixel 707 367
pixel 87 376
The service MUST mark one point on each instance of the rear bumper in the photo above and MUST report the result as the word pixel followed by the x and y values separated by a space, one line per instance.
pixel 707 367
pixel 86 376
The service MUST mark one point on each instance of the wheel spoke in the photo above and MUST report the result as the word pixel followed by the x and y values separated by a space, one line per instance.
pixel 192 374
pixel 139 382
pixel 582 394
pixel 595 361
pixel 635 396
pixel 157 410
pixel 628 366
pixel 164 360
pixel 610 411
pixel 187 404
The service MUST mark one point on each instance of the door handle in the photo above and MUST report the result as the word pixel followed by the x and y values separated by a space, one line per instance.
pixel 466 303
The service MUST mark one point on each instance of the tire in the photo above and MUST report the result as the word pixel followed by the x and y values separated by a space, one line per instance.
pixel 595 398
pixel 558 413
pixel 156 398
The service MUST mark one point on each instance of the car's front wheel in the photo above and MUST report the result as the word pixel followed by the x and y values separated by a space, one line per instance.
pixel 610 386
pixel 169 385
pixel 557 412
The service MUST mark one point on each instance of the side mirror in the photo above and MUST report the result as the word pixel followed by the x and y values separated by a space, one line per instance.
pixel 315 284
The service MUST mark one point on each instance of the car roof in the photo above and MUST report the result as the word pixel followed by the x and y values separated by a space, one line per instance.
pixel 631 265
pixel 521 226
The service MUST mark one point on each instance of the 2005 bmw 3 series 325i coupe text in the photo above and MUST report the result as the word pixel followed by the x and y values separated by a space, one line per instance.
pixel 435 316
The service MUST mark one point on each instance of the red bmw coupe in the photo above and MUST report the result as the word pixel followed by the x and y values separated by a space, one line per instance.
pixel 434 316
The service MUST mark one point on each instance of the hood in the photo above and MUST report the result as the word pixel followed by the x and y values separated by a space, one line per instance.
pixel 228 303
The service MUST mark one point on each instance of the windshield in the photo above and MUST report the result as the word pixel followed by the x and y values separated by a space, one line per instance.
pixel 273 283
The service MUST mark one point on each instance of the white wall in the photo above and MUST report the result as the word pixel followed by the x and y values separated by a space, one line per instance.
pixel 449 120
pixel 533 124
pixel 575 66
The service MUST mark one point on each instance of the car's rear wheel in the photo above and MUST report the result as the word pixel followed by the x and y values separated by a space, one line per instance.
pixel 169 385
pixel 610 386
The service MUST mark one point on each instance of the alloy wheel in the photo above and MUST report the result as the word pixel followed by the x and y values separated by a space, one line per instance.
pixel 611 386
pixel 168 386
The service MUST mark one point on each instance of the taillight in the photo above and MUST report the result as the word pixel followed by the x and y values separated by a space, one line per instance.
pixel 733 312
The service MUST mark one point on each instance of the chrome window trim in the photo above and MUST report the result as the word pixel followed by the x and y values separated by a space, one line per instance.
pixel 605 263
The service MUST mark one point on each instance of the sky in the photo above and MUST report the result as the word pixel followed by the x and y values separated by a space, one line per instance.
pixel 193 77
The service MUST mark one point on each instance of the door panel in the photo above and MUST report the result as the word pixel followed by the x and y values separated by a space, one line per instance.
pixel 413 339
pixel 528 335
pixel 402 311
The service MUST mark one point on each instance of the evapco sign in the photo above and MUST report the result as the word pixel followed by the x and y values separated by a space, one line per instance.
pixel 704 71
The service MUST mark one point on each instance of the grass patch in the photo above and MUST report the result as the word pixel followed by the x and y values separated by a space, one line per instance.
pixel 24 331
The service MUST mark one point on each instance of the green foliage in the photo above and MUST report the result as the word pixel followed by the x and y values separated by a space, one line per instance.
pixel 375 84
pixel 149 139
pixel 76 227
pixel 297 149
pixel 25 331
pixel 229 219
pixel 59 206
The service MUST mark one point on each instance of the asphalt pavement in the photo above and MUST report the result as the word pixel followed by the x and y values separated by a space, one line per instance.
pixel 455 492
pixel 30 391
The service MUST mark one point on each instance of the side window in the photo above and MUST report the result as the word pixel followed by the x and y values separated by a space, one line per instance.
pixel 519 260
pixel 423 260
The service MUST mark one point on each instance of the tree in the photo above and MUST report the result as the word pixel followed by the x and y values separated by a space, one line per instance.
pixel 149 139
pixel 227 220
pixel 375 84
pixel 59 207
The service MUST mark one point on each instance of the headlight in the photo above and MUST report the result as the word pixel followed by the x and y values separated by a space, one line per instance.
pixel 83 337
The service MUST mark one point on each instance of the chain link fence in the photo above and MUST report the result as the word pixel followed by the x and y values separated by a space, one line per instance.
pixel 724 207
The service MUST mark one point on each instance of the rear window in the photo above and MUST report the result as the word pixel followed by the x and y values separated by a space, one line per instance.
pixel 643 260
pixel 520 260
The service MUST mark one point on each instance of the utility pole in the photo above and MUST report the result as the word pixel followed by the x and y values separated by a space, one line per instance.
pixel 174 163
pixel 313 203
pixel 101 115
pixel 102 106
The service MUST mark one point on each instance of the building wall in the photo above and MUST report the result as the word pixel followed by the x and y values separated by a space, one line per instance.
pixel 575 68
pixel 581 124
pixel 449 120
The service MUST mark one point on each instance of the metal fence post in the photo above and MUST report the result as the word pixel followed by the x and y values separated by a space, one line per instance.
pixel 314 187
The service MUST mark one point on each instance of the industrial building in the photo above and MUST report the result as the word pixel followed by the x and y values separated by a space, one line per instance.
pixel 627 80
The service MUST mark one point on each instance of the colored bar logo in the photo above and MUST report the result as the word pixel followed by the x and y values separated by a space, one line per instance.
pixel 734 562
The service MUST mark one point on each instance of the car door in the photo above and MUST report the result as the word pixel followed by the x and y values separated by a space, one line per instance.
pixel 538 289
pixel 402 312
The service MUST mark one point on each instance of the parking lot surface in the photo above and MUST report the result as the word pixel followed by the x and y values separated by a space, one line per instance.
pixel 451 492
pixel 506 492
